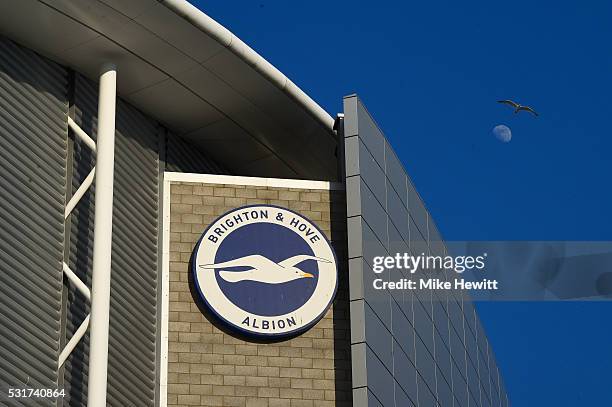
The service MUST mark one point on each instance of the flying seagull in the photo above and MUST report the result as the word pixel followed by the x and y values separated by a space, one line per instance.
pixel 517 107
pixel 264 270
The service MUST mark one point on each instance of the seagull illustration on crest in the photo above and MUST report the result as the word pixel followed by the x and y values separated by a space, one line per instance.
pixel 517 107
pixel 264 270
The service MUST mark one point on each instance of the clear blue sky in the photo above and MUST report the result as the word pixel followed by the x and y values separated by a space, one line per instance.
pixel 430 73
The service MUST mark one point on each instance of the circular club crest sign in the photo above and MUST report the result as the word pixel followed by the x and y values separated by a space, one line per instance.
pixel 265 271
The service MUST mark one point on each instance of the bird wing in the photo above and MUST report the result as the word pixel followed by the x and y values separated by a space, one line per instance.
pixel 528 109
pixel 509 102
pixel 254 261
pixel 292 261
pixel 236 276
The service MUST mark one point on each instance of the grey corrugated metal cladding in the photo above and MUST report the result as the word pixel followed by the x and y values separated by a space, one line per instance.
pixel 33 146
pixel 39 311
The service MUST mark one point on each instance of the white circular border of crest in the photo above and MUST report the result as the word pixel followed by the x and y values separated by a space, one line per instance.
pixel 305 316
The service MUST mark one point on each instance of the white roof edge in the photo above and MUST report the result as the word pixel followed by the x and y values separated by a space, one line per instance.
pixel 225 37
pixel 252 181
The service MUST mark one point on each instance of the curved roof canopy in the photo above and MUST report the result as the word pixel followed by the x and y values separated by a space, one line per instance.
pixel 187 71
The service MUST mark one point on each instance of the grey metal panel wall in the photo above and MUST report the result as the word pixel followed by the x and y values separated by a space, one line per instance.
pixel 33 145
pixel 182 156
pixel 407 348
pixel 134 280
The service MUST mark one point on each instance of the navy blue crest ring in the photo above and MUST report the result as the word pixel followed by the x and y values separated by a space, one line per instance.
pixel 265 271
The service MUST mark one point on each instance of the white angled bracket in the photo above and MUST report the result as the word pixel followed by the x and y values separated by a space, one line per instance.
pixel 72 277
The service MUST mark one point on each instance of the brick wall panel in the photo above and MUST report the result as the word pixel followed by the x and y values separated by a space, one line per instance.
pixel 209 367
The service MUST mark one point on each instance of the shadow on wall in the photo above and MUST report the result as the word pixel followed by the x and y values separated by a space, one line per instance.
pixel 183 156
pixel 342 322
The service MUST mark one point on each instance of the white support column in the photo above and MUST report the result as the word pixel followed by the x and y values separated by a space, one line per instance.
pixel 103 229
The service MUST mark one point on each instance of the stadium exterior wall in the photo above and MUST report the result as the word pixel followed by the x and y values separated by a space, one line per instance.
pixel 39 309
pixel 210 365
pixel 420 349
pixel 401 350
pixel 33 179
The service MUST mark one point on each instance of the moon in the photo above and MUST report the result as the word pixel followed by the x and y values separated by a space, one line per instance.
pixel 502 133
